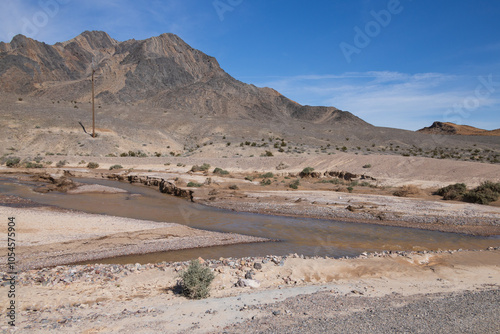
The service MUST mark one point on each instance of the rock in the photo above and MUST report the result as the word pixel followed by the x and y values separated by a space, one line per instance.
pixel 277 312
pixel 243 283
pixel 257 265
pixel 249 275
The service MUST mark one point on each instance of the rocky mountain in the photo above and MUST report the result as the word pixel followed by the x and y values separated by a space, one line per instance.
pixel 161 71
pixel 447 128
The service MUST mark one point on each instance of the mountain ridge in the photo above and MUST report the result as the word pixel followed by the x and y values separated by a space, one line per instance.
pixel 448 128
pixel 161 71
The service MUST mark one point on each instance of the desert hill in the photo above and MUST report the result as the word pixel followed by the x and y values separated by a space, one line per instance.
pixel 161 97
pixel 161 71
pixel 447 128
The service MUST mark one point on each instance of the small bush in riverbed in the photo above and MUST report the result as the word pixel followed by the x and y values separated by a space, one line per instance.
pixel 267 175
pixel 453 191
pixel 195 281
pixel 202 168
pixel 486 193
pixel 407 190
pixel 93 165
pixel 115 167
pixel 295 184
pixel 307 171
pixel 194 184
pixel 265 182
pixel 33 165
pixel 61 163
pixel 12 162
pixel 220 171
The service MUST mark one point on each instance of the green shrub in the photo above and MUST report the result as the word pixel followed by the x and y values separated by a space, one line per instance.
pixel 267 175
pixel 115 167
pixel 295 184
pixel 12 162
pixel 249 178
pixel 265 182
pixel 367 166
pixel 453 191
pixel 194 184
pixel 307 171
pixel 268 154
pixel 33 165
pixel 486 193
pixel 350 189
pixel 202 168
pixel 61 163
pixel 220 171
pixel 195 281
pixel 233 187
pixel 93 165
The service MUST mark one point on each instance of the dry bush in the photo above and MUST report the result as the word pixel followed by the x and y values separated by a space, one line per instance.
pixel 407 190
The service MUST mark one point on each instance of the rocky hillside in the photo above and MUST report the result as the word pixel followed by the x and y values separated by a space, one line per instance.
pixel 447 128
pixel 162 72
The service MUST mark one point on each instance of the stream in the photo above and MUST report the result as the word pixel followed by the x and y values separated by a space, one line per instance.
pixel 305 236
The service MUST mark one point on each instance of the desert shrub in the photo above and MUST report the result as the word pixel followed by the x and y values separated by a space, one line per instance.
pixel 367 166
pixel 268 154
pixel 267 175
pixel 220 171
pixel 265 182
pixel 307 171
pixel 485 193
pixel 295 184
pixel 332 181
pixel 115 167
pixel 249 178
pixel 124 154
pixel 194 184
pixel 195 281
pixel 33 165
pixel 202 168
pixel 453 191
pixel 93 165
pixel 407 190
pixel 350 189
pixel 282 166
pixel 61 163
pixel 12 162
pixel 233 187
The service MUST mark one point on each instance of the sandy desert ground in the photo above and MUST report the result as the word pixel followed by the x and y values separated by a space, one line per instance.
pixel 141 298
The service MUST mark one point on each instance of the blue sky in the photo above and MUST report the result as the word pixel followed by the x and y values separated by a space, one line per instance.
pixel 400 64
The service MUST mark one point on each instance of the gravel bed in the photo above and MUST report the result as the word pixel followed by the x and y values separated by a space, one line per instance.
pixel 324 312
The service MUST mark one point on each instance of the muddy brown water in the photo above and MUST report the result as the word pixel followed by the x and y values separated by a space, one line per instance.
pixel 297 235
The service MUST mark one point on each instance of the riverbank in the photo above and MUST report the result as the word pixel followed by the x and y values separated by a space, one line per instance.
pixel 48 236
pixel 286 291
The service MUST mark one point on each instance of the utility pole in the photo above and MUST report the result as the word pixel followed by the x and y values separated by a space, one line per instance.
pixel 93 108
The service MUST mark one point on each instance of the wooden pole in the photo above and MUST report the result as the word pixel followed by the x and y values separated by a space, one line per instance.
pixel 93 109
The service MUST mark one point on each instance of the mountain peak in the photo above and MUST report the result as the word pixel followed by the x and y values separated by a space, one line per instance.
pixel 94 40
pixel 161 71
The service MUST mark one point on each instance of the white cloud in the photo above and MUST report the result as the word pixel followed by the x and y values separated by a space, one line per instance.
pixel 393 99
